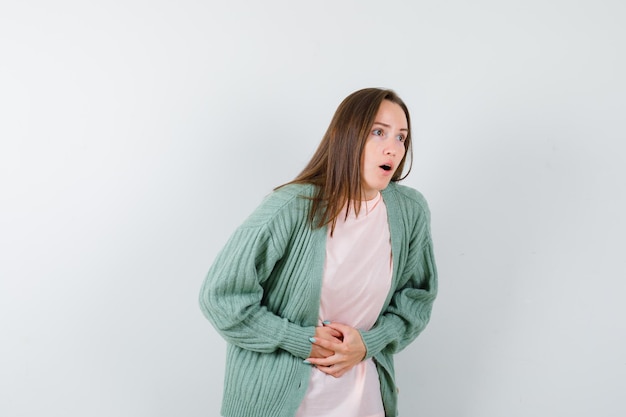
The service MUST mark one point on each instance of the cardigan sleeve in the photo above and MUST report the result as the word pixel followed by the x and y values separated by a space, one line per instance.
pixel 410 306
pixel 232 293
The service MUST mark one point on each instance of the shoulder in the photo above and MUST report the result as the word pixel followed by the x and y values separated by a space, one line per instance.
pixel 286 203
pixel 290 196
pixel 290 191
pixel 408 212
pixel 407 198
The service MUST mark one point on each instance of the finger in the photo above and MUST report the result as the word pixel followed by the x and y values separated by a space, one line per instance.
pixel 323 362
pixel 328 336
pixel 339 327
pixel 326 344
pixel 320 352
pixel 328 333
pixel 335 371
pixel 332 331
pixel 336 334
pixel 350 334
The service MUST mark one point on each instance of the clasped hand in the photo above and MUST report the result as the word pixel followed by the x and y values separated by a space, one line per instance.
pixel 336 348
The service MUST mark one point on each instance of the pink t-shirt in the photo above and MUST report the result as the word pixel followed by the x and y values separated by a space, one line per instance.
pixel 357 278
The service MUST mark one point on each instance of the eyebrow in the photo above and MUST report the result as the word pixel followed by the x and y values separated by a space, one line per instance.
pixel 388 126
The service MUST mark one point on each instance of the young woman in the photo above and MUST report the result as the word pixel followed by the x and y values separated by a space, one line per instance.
pixel 329 277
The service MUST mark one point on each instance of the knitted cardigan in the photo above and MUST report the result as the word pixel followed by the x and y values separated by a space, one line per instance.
pixel 262 294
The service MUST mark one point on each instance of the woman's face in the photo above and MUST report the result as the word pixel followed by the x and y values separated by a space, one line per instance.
pixel 384 148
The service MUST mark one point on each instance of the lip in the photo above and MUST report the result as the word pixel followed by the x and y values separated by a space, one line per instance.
pixel 391 169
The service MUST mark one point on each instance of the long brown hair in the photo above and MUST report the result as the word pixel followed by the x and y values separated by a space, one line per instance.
pixel 335 168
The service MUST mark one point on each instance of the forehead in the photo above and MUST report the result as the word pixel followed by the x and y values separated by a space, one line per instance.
pixel 392 114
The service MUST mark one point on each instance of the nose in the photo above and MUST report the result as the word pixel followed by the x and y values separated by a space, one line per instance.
pixel 390 150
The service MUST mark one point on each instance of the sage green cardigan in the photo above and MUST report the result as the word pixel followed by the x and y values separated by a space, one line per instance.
pixel 262 294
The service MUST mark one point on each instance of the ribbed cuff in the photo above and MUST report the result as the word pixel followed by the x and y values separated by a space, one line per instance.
pixel 375 340
pixel 296 340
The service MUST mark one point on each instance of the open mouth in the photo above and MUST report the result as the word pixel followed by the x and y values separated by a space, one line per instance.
pixel 386 167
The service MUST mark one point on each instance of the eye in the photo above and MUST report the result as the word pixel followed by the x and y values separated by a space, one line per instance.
pixel 377 132
pixel 401 138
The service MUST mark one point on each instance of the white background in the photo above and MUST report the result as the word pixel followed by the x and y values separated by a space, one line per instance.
pixel 136 135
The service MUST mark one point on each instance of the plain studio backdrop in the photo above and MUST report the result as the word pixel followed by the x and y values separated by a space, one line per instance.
pixel 137 135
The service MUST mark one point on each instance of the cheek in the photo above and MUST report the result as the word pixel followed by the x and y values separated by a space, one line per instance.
pixel 368 152
pixel 402 150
